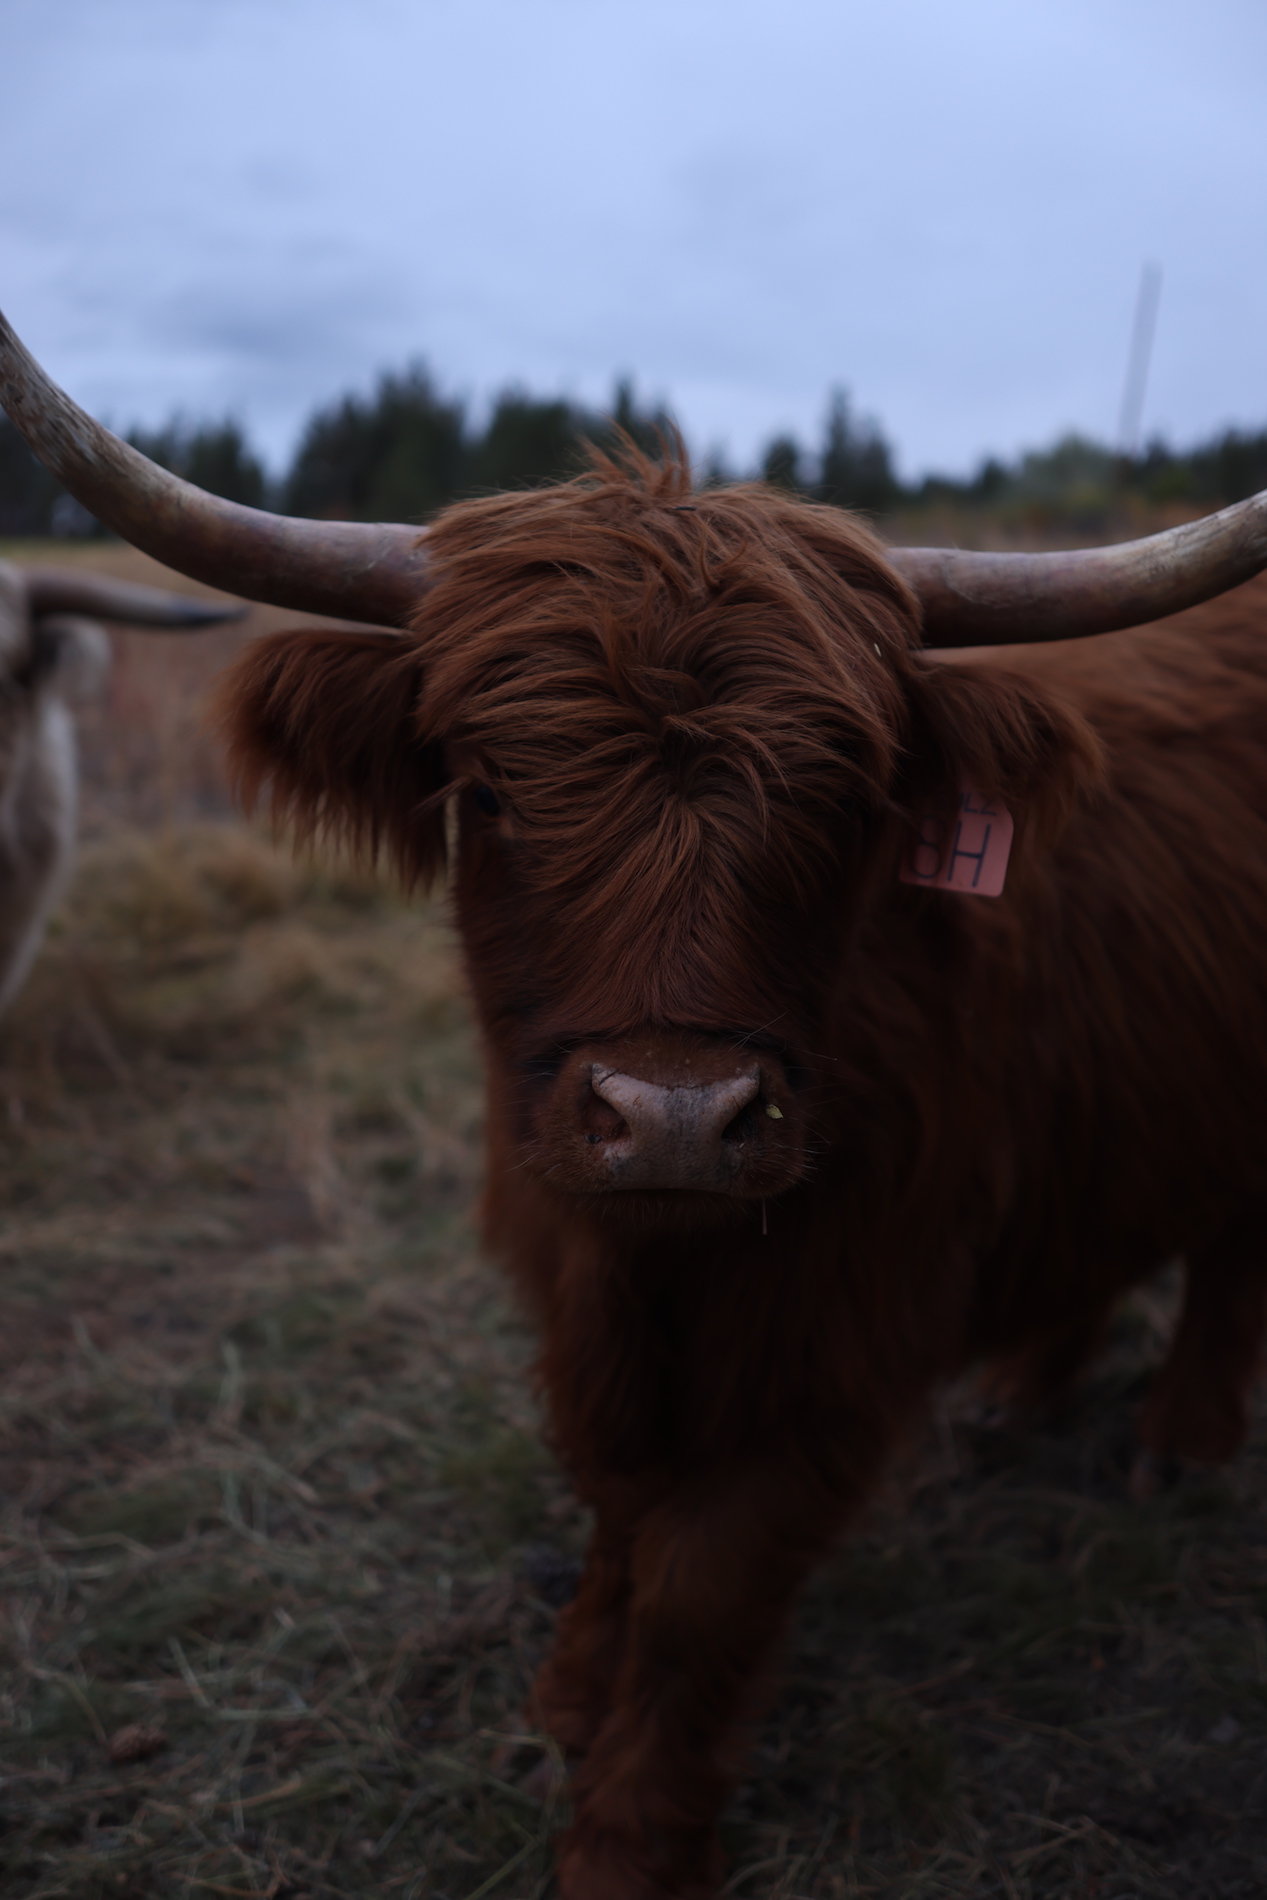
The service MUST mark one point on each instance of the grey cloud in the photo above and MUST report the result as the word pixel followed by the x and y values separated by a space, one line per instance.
pixel 254 204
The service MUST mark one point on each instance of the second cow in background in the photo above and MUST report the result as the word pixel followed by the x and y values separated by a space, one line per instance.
pixel 52 651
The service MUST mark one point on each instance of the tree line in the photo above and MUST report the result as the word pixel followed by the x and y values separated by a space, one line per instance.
pixel 407 448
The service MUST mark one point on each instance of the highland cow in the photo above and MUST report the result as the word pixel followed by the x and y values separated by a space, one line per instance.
pixel 788 1120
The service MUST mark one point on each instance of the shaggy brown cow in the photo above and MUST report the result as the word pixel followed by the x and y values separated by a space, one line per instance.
pixel 778 1140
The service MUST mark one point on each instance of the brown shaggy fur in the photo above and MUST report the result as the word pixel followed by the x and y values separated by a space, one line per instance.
pixel 710 732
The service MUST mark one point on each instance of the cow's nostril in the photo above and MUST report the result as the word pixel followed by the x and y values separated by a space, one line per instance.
pixel 743 1126
pixel 601 1122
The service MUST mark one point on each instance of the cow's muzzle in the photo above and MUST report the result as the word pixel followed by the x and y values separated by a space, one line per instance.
pixel 673 1114
pixel 694 1135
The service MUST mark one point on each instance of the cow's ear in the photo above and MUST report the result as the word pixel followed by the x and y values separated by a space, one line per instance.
pixel 1011 738
pixel 325 727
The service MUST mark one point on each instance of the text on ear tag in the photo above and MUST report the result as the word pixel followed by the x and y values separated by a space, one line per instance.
pixel 969 853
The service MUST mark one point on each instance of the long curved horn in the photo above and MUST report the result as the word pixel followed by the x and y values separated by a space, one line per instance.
pixel 350 569
pixel 1007 599
pixel 61 590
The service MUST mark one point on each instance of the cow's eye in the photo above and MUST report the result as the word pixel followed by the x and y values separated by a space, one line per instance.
pixel 487 800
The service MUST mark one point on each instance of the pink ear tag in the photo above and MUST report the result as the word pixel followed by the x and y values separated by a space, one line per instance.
pixel 970 854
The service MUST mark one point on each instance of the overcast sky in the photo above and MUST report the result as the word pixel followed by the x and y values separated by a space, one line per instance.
pixel 945 205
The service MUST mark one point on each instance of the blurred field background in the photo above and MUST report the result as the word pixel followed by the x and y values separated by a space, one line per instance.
pixel 409 446
pixel 281 1548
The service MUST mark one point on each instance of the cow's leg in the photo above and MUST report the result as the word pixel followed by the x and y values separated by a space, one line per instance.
pixel 712 1574
pixel 1028 1386
pixel 1199 1407
pixel 37 836
pixel 573 1692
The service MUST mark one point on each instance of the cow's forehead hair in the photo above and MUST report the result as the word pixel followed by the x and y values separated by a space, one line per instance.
pixel 622 614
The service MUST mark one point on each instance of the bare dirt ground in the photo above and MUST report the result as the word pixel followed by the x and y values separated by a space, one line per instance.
pixel 280 1548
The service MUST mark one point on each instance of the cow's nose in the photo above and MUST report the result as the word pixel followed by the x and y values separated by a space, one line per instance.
pixel 693 1135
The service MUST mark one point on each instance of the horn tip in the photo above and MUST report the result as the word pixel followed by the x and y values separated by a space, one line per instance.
pixel 179 610
pixel 205 613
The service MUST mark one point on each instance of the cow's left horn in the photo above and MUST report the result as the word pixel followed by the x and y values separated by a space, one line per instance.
pixel 350 569
pixel 1006 599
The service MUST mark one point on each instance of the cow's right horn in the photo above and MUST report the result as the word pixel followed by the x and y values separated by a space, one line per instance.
pixel 350 569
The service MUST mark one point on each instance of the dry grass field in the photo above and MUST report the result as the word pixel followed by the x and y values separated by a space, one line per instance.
pixel 280 1547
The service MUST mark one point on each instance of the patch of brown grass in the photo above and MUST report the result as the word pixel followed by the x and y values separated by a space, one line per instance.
pixel 264 1434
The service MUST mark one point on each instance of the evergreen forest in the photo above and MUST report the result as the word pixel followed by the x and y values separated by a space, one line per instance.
pixel 407 448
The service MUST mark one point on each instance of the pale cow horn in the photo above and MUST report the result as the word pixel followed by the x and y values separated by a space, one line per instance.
pixel 61 590
pixel 1007 599
pixel 350 569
